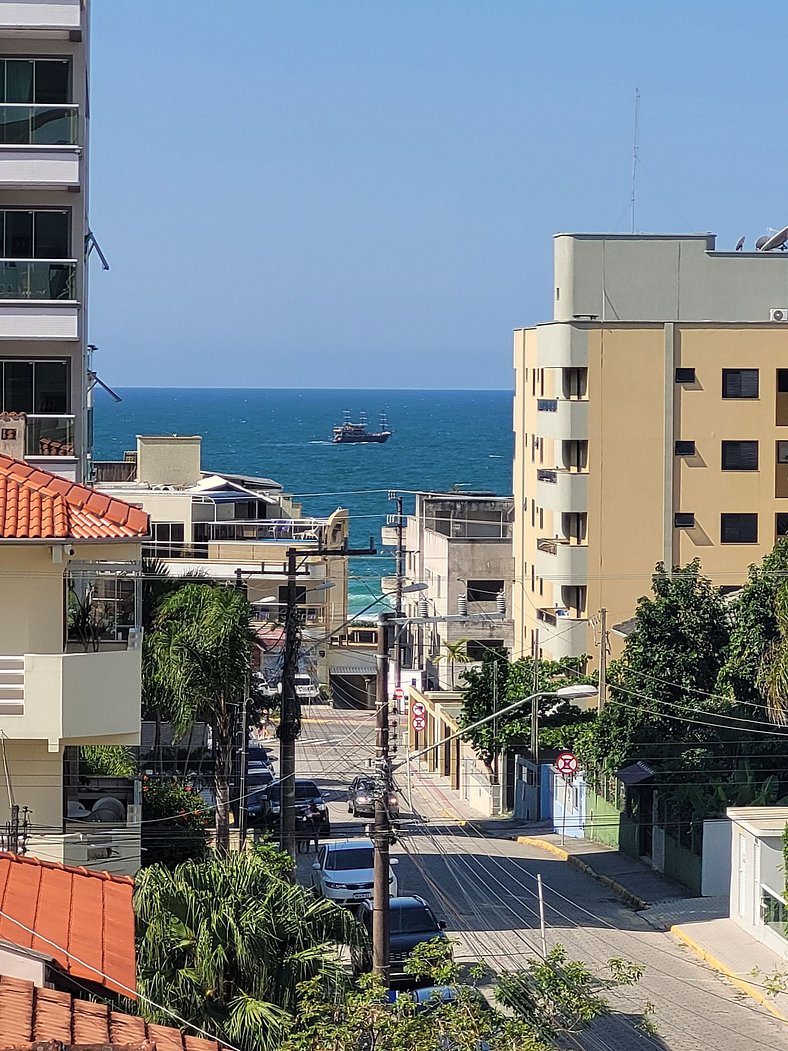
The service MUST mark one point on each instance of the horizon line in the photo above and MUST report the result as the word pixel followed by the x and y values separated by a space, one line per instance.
pixel 414 390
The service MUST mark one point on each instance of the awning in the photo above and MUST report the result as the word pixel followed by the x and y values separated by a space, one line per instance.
pixel 635 774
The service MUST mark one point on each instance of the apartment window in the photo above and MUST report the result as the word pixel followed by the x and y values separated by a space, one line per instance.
pixel 484 590
pixel 782 381
pixel 739 529
pixel 34 235
pixel 476 649
pixel 685 375
pixel 34 386
pixel 781 524
pixel 740 456
pixel 684 520
pixel 300 595
pixel 167 540
pixel 685 448
pixel 41 81
pixel 782 452
pixel 740 383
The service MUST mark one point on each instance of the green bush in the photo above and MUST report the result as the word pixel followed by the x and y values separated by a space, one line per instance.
pixel 175 822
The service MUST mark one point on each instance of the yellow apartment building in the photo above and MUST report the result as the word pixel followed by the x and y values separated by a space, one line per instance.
pixel 651 424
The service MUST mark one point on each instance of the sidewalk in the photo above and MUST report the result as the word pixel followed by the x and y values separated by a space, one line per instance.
pixel 702 925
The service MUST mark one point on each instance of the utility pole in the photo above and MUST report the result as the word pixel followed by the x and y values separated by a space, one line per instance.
pixel 400 571
pixel 382 830
pixel 535 721
pixel 289 715
pixel 243 744
pixel 602 660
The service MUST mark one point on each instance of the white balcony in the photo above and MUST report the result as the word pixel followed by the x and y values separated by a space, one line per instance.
pixel 39 146
pixel 561 346
pixel 561 562
pixel 561 635
pixel 562 419
pixel 71 698
pixel 562 490
pixel 44 18
pixel 39 321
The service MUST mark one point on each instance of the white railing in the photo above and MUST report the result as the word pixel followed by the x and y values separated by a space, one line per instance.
pixel 12 685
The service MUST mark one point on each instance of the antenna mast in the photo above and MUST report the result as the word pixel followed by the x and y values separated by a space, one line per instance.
pixel 634 161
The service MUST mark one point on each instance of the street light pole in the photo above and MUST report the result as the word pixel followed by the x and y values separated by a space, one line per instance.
pixel 381 836
pixel 289 716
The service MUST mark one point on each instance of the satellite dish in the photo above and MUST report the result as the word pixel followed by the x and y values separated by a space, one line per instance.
pixel 776 240
pixel 761 242
pixel 740 243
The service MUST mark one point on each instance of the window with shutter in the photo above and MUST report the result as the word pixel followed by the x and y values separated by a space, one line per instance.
pixel 740 456
pixel 739 529
pixel 740 383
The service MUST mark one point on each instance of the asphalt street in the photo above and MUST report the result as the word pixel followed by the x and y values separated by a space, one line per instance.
pixel 486 889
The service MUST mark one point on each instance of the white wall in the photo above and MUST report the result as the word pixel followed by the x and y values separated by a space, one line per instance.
pixel 715 877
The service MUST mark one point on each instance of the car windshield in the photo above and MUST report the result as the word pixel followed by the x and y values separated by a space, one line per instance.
pixel 257 780
pixel 365 786
pixel 303 790
pixel 412 920
pixel 357 858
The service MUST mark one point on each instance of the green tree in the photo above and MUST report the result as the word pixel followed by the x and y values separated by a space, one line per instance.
pixel 453 653
pixel 200 658
pixel 101 760
pixel 671 662
pixel 501 682
pixel 225 943
pixel 175 823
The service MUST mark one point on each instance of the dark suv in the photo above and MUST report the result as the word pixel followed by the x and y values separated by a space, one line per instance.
pixel 306 792
pixel 361 799
pixel 411 922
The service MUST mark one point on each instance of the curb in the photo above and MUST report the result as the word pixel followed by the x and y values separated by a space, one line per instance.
pixel 618 888
pixel 717 965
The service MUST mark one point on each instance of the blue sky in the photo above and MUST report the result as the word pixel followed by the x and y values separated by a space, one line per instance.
pixel 362 193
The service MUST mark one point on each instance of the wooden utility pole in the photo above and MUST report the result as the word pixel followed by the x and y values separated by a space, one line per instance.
pixel 602 660
pixel 382 830
pixel 289 715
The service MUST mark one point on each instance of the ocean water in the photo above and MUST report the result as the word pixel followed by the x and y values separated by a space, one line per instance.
pixel 441 439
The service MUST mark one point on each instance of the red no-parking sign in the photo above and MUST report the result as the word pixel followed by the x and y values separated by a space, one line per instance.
pixel 567 764
pixel 419 723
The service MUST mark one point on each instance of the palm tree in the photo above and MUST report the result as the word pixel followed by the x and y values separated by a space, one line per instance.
pixel 200 656
pixel 455 653
pixel 773 672
pixel 225 943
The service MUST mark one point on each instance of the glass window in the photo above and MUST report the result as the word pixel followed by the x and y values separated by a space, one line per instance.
pixel 51 387
pixel 684 520
pixel 18 386
pixel 18 80
pixel 782 381
pixel 739 529
pixel 740 383
pixel 50 235
pixel 685 448
pixel 476 649
pixel 412 920
pixel 685 375
pixel 781 524
pixel 357 858
pixel 43 81
pixel 51 81
pixel 18 235
pixel 484 590
pixel 740 456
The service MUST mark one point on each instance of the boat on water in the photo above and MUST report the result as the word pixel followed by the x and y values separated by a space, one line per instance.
pixel 349 433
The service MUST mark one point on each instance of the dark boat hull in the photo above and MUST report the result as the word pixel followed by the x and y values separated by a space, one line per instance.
pixel 361 439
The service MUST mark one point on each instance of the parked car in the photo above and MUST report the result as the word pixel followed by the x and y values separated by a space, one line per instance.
pixel 306 792
pixel 361 798
pixel 345 872
pixel 411 922
pixel 257 780
pixel 306 688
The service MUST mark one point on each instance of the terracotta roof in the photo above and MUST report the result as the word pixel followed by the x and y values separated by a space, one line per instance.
pixel 30 1016
pixel 38 505
pixel 86 912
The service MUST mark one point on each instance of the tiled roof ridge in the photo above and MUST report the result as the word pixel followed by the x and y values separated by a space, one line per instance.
pixel 23 859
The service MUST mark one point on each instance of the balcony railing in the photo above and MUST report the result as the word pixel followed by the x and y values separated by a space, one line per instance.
pixel 25 125
pixel 41 279
pixel 547 405
pixel 301 529
pixel 547 476
pixel 47 435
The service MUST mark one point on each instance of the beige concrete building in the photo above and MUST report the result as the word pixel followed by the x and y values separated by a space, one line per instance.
pixel 460 546
pixel 45 240
pixel 651 424
pixel 234 527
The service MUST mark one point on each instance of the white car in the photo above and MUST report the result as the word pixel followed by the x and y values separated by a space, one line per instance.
pixel 344 872
pixel 306 688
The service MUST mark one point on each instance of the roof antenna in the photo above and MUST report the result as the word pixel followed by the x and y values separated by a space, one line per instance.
pixel 634 161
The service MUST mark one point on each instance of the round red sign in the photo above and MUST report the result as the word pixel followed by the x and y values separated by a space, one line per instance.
pixel 418 723
pixel 399 693
pixel 566 763
pixel 418 709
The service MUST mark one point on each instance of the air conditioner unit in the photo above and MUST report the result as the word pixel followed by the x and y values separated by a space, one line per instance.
pixel 778 314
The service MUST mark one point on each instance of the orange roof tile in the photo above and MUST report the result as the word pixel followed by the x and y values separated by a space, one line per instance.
pixel 87 913
pixel 37 505
pixel 30 1015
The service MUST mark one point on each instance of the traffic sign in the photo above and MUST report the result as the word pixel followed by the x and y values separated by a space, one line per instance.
pixel 417 708
pixel 566 763
pixel 419 723
pixel 399 693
